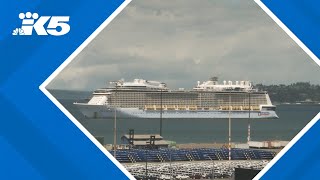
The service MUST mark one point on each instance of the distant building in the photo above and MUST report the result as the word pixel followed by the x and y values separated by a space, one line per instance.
pixel 140 141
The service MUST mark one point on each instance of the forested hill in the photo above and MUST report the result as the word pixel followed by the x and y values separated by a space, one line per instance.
pixel 293 93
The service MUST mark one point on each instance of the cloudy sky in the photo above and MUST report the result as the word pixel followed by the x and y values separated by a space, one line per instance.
pixel 182 41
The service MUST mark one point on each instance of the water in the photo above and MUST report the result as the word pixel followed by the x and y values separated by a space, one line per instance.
pixel 292 118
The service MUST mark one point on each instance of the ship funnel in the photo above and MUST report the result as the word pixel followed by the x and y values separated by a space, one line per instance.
pixel 237 83
pixel 198 82
pixel 224 82
pixel 230 82
pixel 242 83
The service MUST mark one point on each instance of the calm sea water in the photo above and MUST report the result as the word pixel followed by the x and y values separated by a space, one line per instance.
pixel 292 118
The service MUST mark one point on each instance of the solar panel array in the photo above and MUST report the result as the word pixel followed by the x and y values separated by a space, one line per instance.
pixel 200 154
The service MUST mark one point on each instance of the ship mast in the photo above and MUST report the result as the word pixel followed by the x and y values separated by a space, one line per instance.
pixel 115 119
pixel 249 125
pixel 160 112
pixel 229 126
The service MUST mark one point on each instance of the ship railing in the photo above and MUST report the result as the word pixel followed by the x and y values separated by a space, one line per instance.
pixel 194 108
pixel 239 108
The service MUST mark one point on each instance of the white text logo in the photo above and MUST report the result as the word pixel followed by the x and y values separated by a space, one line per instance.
pixel 57 25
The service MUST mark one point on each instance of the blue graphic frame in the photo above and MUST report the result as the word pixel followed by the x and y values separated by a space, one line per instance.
pixel 40 141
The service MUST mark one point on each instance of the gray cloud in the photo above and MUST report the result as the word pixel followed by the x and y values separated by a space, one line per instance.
pixel 180 42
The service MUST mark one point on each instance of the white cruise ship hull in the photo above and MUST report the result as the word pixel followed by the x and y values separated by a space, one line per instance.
pixel 104 111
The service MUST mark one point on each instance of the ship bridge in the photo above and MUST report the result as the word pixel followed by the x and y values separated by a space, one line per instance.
pixel 141 83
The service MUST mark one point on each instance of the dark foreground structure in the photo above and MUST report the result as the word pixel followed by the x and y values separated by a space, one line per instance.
pixel 245 174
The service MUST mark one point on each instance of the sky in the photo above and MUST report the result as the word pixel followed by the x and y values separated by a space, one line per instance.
pixel 180 42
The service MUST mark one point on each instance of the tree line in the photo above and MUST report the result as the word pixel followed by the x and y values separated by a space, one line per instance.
pixel 293 93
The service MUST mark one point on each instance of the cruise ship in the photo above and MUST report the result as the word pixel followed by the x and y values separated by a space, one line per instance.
pixel 152 99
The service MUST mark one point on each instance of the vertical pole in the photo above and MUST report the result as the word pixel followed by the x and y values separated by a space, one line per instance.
pixel 161 113
pixel 170 164
pixel 229 126
pixel 146 162
pixel 200 101
pixel 212 169
pixel 149 146
pixel 249 125
pixel 115 125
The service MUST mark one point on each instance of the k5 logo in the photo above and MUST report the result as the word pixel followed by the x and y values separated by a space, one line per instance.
pixel 57 25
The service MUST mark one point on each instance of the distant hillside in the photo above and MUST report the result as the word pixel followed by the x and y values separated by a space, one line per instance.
pixel 69 94
pixel 296 92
